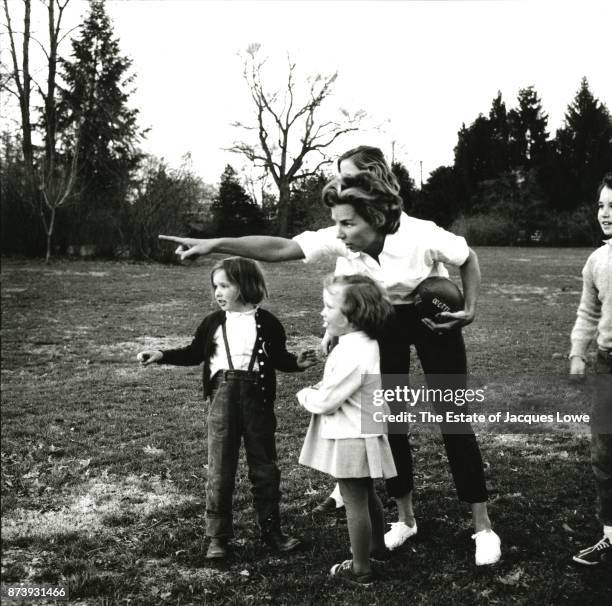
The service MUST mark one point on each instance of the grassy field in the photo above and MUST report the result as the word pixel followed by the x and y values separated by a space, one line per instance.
pixel 104 462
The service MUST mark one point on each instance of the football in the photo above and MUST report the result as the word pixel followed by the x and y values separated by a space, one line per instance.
pixel 436 294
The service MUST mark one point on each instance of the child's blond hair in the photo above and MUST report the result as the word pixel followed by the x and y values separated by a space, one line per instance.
pixel 364 302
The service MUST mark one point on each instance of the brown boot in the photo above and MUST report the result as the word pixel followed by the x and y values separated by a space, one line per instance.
pixel 217 549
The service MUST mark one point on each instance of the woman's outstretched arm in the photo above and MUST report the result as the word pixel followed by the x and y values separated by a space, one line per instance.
pixel 260 248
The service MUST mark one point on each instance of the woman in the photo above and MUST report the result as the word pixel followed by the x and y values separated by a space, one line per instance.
pixel 371 235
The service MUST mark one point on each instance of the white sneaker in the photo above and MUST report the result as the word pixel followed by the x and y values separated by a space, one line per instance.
pixel 488 547
pixel 400 532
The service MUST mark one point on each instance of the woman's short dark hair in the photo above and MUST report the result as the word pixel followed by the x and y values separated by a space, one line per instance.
pixel 364 302
pixel 246 275
pixel 372 160
pixel 371 198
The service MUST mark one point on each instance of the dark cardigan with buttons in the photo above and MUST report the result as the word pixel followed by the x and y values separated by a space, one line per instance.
pixel 271 351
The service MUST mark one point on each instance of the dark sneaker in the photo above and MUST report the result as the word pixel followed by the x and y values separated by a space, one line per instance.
pixel 327 508
pixel 217 549
pixel 596 554
pixel 278 541
pixel 344 572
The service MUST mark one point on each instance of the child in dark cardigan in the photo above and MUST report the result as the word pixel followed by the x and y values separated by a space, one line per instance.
pixel 240 345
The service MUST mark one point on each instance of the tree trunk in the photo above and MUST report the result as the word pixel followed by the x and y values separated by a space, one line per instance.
pixel 285 218
pixel 50 236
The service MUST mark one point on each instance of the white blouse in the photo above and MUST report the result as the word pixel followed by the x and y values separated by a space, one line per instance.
pixel 417 250
pixel 241 335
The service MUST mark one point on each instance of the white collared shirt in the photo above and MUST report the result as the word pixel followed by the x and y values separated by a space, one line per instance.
pixel 344 397
pixel 241 335
pixel 417 250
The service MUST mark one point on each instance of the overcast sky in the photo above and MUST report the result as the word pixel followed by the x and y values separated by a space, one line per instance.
pixel 420 69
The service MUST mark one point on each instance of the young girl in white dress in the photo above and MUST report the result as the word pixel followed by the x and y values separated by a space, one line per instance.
pixel 343 440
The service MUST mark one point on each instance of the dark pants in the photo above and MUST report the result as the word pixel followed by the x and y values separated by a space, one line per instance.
pixel 444 363
pixel 601 436
pixel 237 411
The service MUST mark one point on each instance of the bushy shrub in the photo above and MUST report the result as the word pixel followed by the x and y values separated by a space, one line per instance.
pixel 486 230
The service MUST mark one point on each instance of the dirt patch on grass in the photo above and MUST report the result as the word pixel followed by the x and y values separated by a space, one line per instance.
pixel 91 504
pixel 167 305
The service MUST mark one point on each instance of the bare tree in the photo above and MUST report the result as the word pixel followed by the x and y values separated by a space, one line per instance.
pixel 52 176
pixel 287 130
pixel 23 82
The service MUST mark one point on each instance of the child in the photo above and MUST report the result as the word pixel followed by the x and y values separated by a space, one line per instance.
pixel 595 316
pixel 355 311
pixel 240 345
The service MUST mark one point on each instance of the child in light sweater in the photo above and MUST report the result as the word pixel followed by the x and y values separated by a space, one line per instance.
pixel 595 317
pixel 342 439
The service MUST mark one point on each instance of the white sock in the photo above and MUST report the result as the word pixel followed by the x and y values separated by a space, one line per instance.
pixel 608 532
pixel 336 496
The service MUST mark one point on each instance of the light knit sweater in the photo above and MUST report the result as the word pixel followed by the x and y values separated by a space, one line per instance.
pixel 595 309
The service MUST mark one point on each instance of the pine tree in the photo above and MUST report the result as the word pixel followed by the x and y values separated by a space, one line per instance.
pixel 528 124
pixel 473 159
pixel 97 95
pixel 438 201
pixel 406 183
pixel 309 212
pixel 584 149
pixel 500 136
pixel 234 213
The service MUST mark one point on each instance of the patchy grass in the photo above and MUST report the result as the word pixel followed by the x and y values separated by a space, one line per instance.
pixel 104 462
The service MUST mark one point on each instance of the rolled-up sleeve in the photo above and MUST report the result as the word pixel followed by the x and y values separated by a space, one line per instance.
pixel 447 247
pixel 317 245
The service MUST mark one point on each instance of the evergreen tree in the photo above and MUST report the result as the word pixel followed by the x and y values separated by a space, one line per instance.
pixel 473 159
pixel 97 95
pixel 406 183
pixel 439 201
pixel 528 124
pixel 234 213
pixel 309 212
pixel 500 136
pixel 583 149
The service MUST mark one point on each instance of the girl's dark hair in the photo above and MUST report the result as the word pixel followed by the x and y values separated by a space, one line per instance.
pixel 605 182
pixel 364 302
pixel 246 275
pixel 372 160
pixel 372 199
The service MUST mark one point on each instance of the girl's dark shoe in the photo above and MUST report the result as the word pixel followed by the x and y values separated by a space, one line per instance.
pixel 217 549
pixel 344 572
pixel 278 541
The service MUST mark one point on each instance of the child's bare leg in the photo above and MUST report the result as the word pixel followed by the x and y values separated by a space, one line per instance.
pixel 355 494
pixel 377 520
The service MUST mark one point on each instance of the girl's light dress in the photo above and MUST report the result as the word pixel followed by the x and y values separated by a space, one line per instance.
pixel 345 437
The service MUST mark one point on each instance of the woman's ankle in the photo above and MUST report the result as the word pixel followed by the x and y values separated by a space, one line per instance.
pixel 480 517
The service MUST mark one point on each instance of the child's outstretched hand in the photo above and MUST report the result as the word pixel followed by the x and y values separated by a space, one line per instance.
pixel 149 356
pixel 307 358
